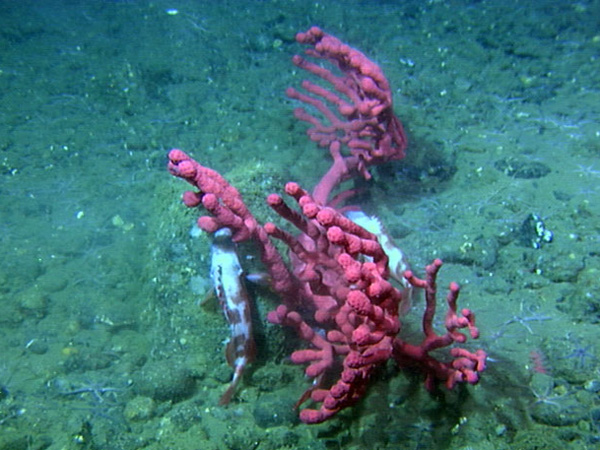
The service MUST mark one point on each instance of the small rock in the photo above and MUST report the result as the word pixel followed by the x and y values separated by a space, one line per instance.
pixel 165 380
pixel 33 303
pixel 592 386
pixel 139 408
pixel 273 410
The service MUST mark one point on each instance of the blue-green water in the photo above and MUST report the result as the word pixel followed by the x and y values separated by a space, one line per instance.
pixel 105 340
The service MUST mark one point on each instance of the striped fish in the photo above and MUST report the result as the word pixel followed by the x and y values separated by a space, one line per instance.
pixel 227 277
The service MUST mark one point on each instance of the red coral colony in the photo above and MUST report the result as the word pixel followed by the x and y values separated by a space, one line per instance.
pixel 336 290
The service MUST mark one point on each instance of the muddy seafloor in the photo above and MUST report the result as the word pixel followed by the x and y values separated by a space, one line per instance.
pixel 109 337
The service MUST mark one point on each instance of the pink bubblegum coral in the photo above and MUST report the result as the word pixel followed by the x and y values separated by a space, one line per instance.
pixel 336 292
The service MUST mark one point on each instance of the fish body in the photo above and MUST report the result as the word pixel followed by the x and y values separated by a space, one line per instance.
pixel 397 261
pixel 228 282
